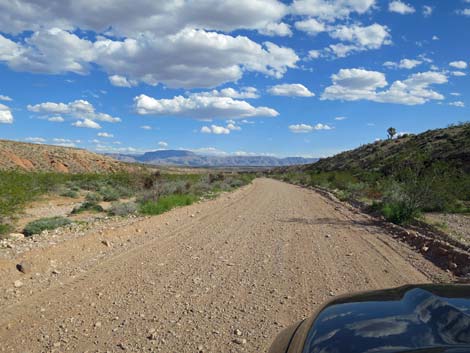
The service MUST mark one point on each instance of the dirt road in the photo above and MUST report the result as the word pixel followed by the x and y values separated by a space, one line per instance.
pixel 247 263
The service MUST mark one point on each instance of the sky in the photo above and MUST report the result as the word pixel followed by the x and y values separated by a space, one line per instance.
pixel 231 77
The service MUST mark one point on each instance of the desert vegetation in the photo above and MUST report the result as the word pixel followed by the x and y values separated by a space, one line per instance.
pixel 425 173
pixel 150 192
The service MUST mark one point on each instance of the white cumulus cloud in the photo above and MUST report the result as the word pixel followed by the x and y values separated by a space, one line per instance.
pixel 6 116
pixel 458 64
pixel 105 134
pixel 200 106
pixel 243 93
pixel 400 7
pixel 231 126
pixel 189 58
pixel 87 123
pixel 464 12
pixel 276 29
pixel 331 10
pixel 78 109
pixel 291 90
pixel 310 26
pixel 304 128
pixel 360 84
pixel 314 54
pixel 129 19
pixel 5 98
pixel 121 81
pixel 215 129
pixel 403 64
pixel 359 38
pixel 56 119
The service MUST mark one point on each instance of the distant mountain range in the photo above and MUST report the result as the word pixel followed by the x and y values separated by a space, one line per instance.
pixel 191 159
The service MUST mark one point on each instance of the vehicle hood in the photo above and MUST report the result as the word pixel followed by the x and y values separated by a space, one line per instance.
pixel 414 319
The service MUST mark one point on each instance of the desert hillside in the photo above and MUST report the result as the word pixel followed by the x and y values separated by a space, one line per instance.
pixel 450 144
pixel 34 157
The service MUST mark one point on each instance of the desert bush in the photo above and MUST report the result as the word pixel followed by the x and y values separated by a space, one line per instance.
pixel 216 177
pixel 342 195
pixel 109 193
pixel 69 193
pixel 236 183
pixel 166 203
pixel 36 227
pixel 93 197
pixel 399 212
pixel 202 187
pixel 71 185
pixel 122 208
pixel 87 206
pixel 356 190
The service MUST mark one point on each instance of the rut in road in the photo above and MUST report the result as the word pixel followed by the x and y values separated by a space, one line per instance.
pixel 254 261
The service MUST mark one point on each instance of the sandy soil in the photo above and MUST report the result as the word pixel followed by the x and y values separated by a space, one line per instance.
pixel 247 263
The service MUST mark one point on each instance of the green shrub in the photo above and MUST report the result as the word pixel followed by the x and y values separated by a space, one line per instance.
pixel 166 203
pixel 70 193
pixel 87 206
pixel 109 194
pixel 122 208
pixel 399 213
pixel 235 182
pixel 215 177
pixel 36 227
pixel 343 195
pixel 5 228
pixel 72 186
pixel 202 187
pixel 93 197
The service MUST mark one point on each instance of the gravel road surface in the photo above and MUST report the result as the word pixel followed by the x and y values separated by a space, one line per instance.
pixel 224 275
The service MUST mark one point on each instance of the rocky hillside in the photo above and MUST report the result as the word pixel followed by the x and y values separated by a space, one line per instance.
pixel 191 159
pixel 35 157
pixel 451 144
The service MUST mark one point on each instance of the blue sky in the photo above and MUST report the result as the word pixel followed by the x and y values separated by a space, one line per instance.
pixel 307 78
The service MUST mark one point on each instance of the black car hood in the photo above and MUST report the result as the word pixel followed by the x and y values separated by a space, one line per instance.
pixel 407 319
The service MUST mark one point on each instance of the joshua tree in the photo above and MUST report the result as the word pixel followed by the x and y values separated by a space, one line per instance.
pixel 391 131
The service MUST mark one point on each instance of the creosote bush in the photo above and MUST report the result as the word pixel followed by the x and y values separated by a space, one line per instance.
pixel 87 206
pixel 70 193
pixel 122 208
pixel 36 227
pixel 93 197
